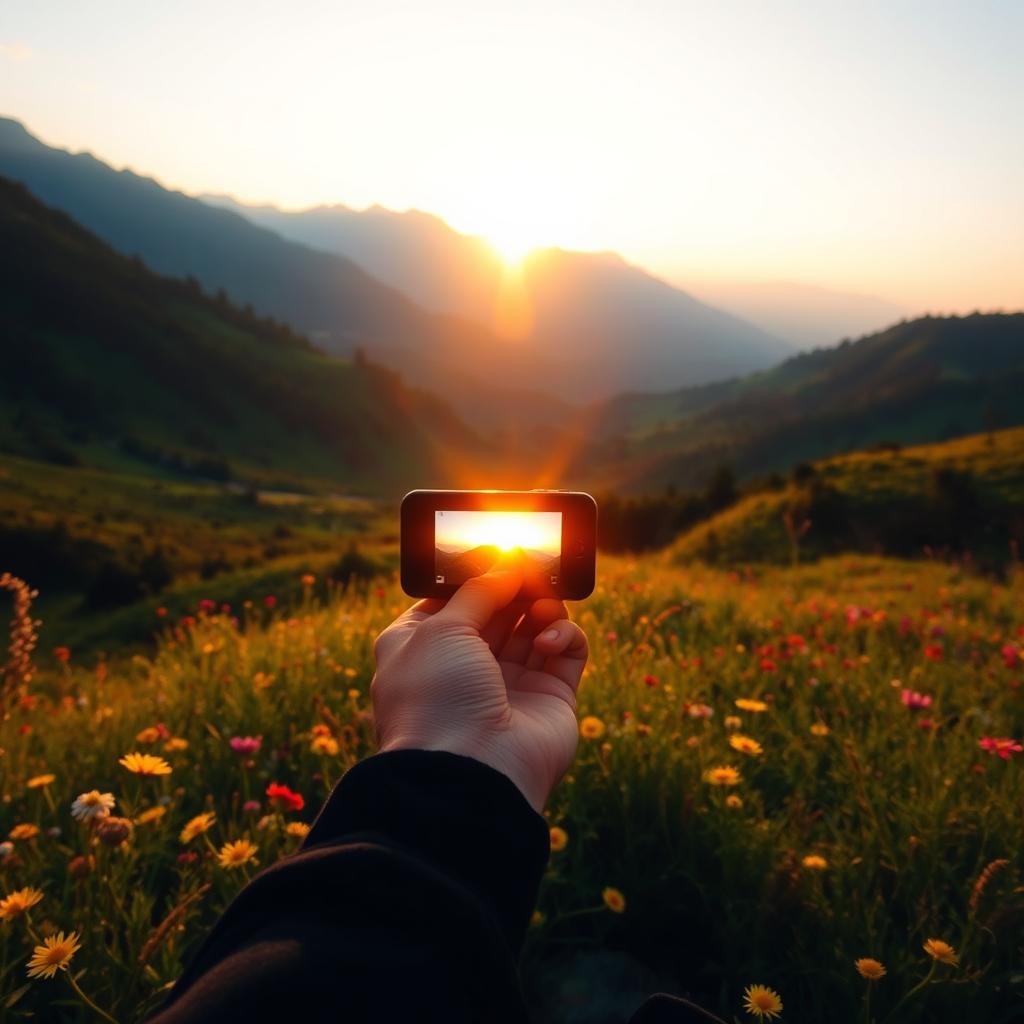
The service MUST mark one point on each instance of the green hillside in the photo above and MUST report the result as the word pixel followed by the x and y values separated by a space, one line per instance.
pixel 962 497
pixel 104 363
pixel 924 380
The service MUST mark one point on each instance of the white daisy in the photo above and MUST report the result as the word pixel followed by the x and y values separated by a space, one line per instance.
pixel 93 804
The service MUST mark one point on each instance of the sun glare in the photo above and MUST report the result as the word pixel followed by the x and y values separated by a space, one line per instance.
pixel 531 531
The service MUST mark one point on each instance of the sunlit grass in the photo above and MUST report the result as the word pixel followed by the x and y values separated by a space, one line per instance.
pixel 863 828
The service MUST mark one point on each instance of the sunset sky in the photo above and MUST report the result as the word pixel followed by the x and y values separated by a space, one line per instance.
pixel 869 147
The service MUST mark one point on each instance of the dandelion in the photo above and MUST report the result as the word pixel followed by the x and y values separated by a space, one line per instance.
pixel 16 903
pixel 814 862
pixel 614 900
pixel 53 955
pixel 559 839
pixel 236 854
pixel 296 829
pixel 145 764
pixel 326 745
pixel 941 951
pixel 284 798
pixel 197 826
pixel 93 804
pixel 151 815
pixel 868 967
pixel 1004 746
pixel 591 728
pixel 23 831
pixel 761 1002
pixel 745 745
pixel 724 775
pixel 819 729
pixel 755 706
pixel 39 780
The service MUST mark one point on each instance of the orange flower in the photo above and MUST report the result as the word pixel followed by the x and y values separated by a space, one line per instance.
pixel 559 839
pixel 614 900
pixel 941 951
pixel 745 745
pixel 591 728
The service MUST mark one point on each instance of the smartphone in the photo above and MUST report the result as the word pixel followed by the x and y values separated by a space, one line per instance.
pixel 450 536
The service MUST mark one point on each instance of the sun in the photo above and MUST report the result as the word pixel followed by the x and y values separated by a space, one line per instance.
pixel 512 242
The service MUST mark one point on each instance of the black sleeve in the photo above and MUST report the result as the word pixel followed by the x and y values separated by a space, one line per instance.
pixel 408 901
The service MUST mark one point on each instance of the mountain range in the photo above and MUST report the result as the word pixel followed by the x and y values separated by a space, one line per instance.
pixel 598 326
pixel 105 363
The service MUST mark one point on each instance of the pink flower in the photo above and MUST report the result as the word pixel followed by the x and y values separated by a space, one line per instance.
pixel 270 600
pixel 207 605
pixel 251 806
pixel 1004 746
pixel 915 701
pixel 1011 656
pixel 245 745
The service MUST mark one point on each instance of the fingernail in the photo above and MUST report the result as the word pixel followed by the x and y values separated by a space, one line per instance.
pixel 550 634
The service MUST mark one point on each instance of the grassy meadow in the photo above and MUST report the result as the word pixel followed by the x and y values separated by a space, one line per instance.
pixel 781 771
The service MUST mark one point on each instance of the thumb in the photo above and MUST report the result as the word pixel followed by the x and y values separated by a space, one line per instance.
pixel 476 601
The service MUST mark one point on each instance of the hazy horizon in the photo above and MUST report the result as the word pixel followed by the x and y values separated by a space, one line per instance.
pixel 869 152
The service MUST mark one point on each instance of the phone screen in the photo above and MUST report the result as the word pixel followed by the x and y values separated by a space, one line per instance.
pixel 466 543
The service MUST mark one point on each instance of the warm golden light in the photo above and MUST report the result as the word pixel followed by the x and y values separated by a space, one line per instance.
pixel 531 531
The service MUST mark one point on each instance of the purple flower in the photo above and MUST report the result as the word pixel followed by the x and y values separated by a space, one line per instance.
pixel 245 745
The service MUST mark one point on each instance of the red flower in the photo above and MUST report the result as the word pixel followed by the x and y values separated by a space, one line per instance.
pixel 933 652
pixel 914 700
pixel 284 798
pixel 207 605
pixel 650 680
pixel 62 654
pixel 1011 656
pixel 161 612
pixel 270 600
pixel 767 665
pixel 1004 746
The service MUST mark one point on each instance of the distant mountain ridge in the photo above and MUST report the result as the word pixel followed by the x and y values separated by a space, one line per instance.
pixel 923 380
pixel 621 326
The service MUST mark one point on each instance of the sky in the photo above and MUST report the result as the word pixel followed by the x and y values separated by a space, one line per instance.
pixel 870 147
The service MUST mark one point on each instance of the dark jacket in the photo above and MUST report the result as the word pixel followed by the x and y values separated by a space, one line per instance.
pixel 408 902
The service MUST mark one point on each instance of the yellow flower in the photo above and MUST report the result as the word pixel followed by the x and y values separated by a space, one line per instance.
pixel 724 775
pixel 151 814
pixel 941 951
pixel 745 745
pixel 174 744
pixel 733 721
pixel 53 955
pixel 39 780
pixel 733 801
pixel 17 902
pixel 145 764
pixel 197 826
pixel 868 967
pixel 745 704
pixel 614 900
pixel 814 862
pixel 297 829
pixel 762 1002
pixel 324 745
pixel 819 729
pixel 559 839
pixel 25 831
pixel 537 919
pixel 234 855
pixel 591 728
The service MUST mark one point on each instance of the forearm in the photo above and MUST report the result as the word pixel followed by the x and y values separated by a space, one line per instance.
pixel 413 889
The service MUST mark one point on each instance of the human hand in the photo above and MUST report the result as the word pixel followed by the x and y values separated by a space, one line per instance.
pixel 484 676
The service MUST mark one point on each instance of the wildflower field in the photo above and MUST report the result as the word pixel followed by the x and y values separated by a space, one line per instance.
pixel 798 792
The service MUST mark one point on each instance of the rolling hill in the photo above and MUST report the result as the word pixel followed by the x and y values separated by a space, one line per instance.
pixel 962 497
pixel 923 380
pixel 107 363
pixel 615 325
